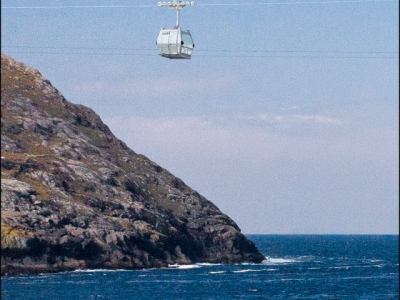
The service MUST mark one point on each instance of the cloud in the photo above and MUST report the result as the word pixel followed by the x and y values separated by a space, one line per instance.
pixel 263 176
pixel 196 136
pixel 228 139
pixel 150 86
pixel 291 119
pixel 294 107
pixel 180 85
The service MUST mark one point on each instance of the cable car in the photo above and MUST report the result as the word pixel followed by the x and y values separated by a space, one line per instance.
pixel 175 43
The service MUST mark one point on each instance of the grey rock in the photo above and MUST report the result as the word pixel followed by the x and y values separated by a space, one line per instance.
pixel 73 196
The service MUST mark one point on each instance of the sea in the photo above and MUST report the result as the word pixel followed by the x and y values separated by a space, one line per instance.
pixel 296 267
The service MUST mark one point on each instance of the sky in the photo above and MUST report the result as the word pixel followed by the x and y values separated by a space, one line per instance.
pixel 286 116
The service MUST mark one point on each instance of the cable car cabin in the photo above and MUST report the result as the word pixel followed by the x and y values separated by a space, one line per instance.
pixel 175 43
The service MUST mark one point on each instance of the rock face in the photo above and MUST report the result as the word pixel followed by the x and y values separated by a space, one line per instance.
pixel 73 196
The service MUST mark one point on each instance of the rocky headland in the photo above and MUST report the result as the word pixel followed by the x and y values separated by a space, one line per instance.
pixel 73 196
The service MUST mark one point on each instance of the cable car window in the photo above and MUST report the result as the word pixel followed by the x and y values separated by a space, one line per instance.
pixel 187 39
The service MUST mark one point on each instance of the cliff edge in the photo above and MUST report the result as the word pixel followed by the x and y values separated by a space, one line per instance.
pixel 73 196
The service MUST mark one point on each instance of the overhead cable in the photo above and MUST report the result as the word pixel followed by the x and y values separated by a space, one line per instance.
pixel 207 50
pixel 203 4
pixel 205 53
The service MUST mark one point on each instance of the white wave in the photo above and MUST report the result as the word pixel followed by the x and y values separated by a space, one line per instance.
pixel 378 266
pixel 292 279
pixel 218 272
pixel 360 277
pixel 246 271
pixel 176 266
pixel 247 264
pixel 277 261
pixel 28 283
pixel 81 282
pixel 94 270
pixel 306 257
pixel 342 267
pixel 207 264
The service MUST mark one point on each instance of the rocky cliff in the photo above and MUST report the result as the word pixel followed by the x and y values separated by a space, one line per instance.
pixel 73 196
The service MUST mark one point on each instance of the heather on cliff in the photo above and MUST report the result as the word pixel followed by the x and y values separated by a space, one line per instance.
pixel 73 196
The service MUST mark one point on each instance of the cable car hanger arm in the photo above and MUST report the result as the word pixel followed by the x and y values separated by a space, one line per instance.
pixel 178 5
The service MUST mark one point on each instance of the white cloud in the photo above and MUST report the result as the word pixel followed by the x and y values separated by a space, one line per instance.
pixel 191 133
pixel 176 85
pixel 294 107
pixel 227 139
pixel 153 86
pixel 290 119
pixel 197 136
pixel 326 120
pixel 259 171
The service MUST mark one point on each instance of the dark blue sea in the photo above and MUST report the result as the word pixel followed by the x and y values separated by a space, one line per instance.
pixel 298 267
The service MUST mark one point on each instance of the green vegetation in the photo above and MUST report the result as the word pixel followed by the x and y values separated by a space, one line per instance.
pixel 7 234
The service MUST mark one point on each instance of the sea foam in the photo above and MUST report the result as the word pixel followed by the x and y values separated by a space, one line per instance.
pixel 275 261
pixel 183 266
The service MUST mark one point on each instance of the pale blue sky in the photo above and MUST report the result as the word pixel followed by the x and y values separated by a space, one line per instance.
pixel 286 117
